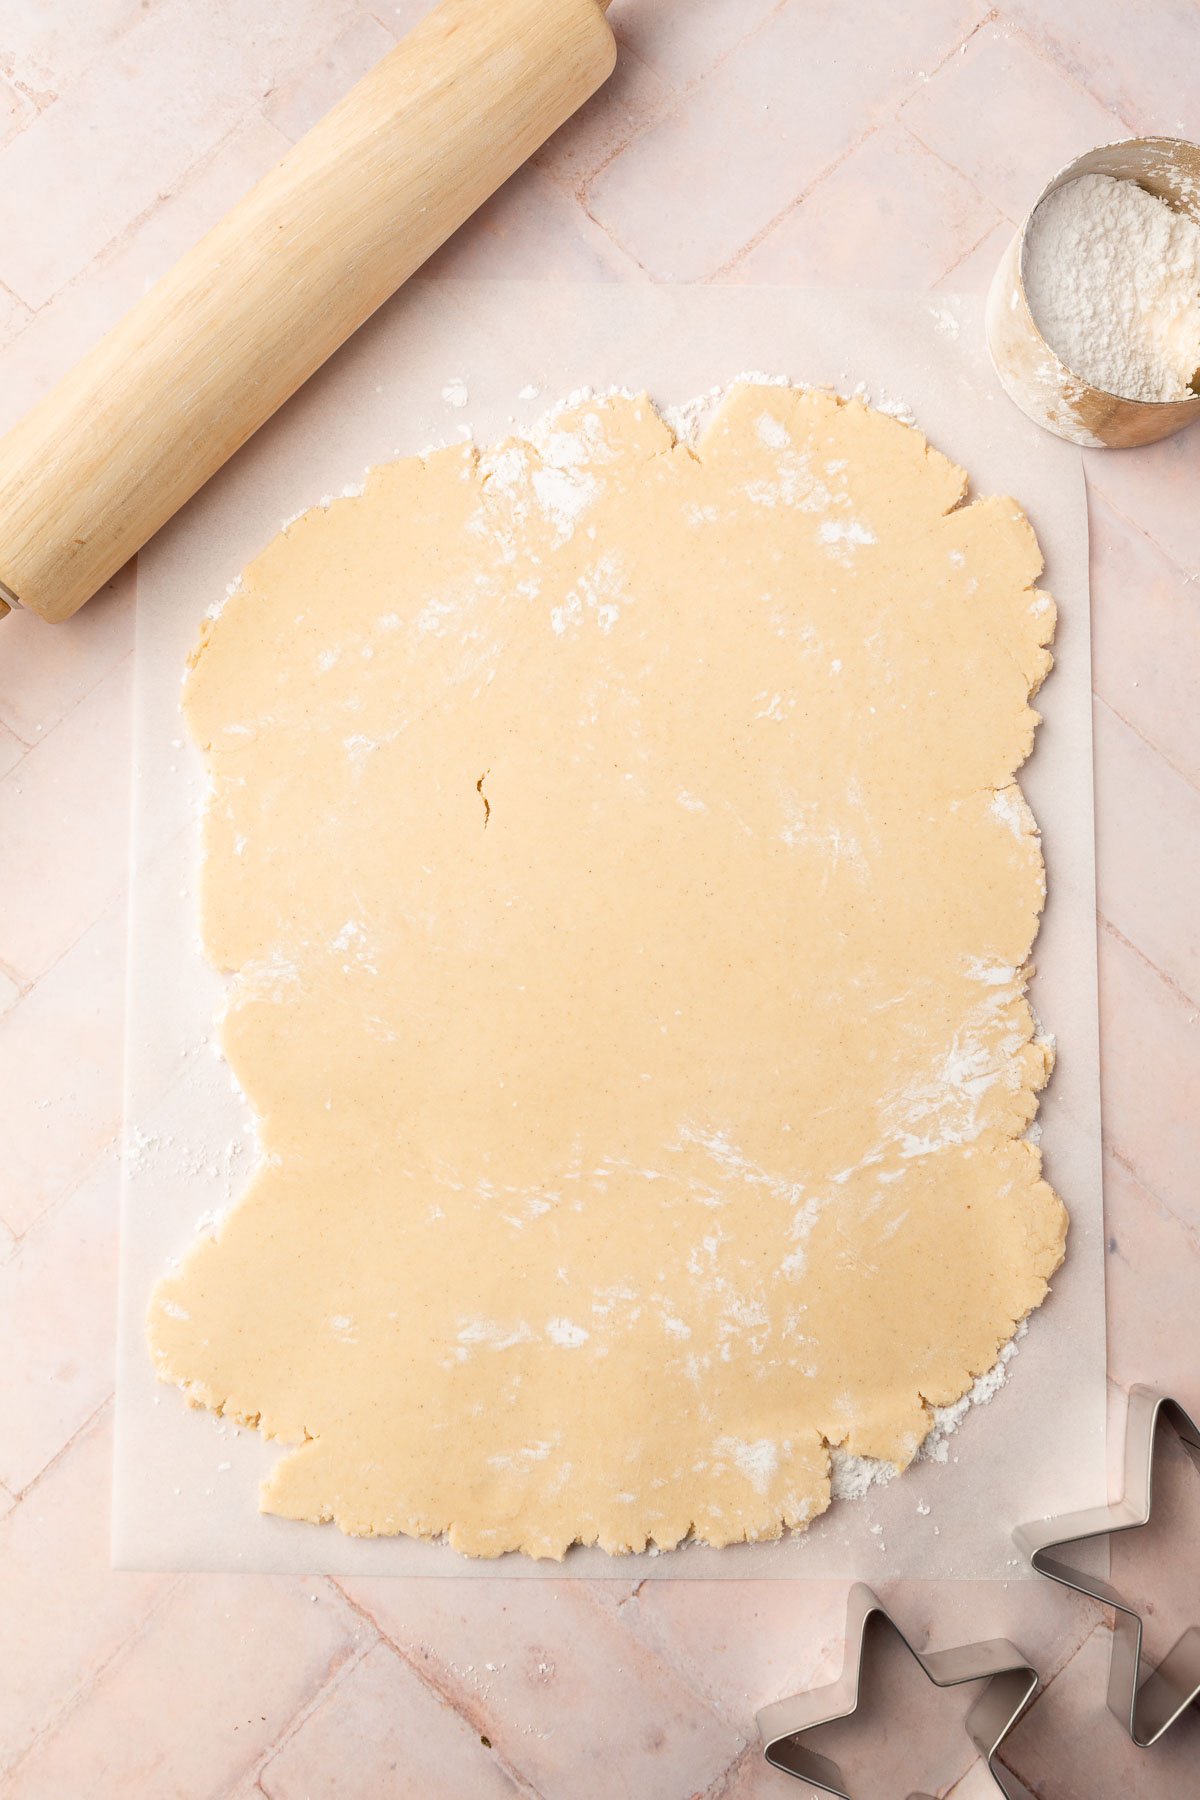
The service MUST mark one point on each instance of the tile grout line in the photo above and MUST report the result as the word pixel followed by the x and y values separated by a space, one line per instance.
pixel 1187 1226
pixel 652 1640
pixel 324 1688
pixel 1096 483
pixel 521 1782
pixel 1157 749
pixel 1045 54
pixel 1191 1227
pixel 369 12
pixel 1181 994
pixel 676 95
pixel 28 744
pixel 22 983
pixel 1003 216
pixel 1000 219
pixel 125 235
pixel 642 1629
pixel 16 301
pixel 719 1786
pixel 254 108
pixel 72 710
pixel 1100 1625
pixel 630 255
pixel 731 262
pixel 45 103
pixel 1011 30
pixel 831 168
pixel 730 50
pixel 36 980
pixel 73 1700
pixel 352 1662
pixel 78 1432
pixel 989 17
pixel 78 1695
pixel 1002 1754
pixel 49 1213
pixel 578 189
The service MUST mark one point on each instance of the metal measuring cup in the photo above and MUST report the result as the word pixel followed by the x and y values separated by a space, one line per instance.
pixel 1030 372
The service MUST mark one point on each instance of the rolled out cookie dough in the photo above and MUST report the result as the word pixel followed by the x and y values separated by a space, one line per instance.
pixel 615 846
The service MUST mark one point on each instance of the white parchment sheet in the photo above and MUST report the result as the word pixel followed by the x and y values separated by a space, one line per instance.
pixel 186 1483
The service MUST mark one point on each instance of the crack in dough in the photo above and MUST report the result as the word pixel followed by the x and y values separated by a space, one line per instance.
pixel 629 1146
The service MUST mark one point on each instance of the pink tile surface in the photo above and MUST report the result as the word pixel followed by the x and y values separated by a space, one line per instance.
pixel 80 313
pixel 1151 1251
pixel 1144 812
pixel 11 750
pixel 296 105
pixel 10 993
pixel 973 274
pixel 14 316
pixel 424 1747
pixel 1127 55
pixel 1064 1747
pixel 64 825
pixel 570 1698
pixel 64 1612
pixel 750 1778
pixel 1156 491
pixel 743 151
pixel 57 1114
pixel 780 140
pixel 684 49
pixel 189 1705
pixel 631 98
pixel 1151 1085
pixel 16 110
pixel 58 1326
pixel 1039 117
pixel 533 228
pixel 775 1641
pixel 45 673
pixel 1145 636
pixel 47 48
pixel 891 215
pixel 177 86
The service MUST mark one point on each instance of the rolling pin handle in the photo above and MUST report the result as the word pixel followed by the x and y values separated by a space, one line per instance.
pixel 229 334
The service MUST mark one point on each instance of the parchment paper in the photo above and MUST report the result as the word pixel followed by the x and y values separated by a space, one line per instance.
pixel 185 1483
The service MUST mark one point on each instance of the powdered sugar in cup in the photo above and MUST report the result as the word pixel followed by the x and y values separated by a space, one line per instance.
pixel 1093 318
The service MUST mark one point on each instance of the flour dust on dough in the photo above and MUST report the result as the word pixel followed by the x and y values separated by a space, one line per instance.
pixel 615 849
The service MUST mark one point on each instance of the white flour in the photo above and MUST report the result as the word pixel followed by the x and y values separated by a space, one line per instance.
pixel 853 1477
pixel 1113 281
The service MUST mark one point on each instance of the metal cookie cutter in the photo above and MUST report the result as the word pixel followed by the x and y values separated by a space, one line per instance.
pixel 1011 1685
pixel 1146 1704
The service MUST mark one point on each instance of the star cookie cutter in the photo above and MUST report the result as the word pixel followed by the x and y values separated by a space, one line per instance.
pixel 1011 1685
pixel 1147 1704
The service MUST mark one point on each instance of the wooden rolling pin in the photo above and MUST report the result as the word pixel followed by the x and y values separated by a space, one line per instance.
pixel 245 318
